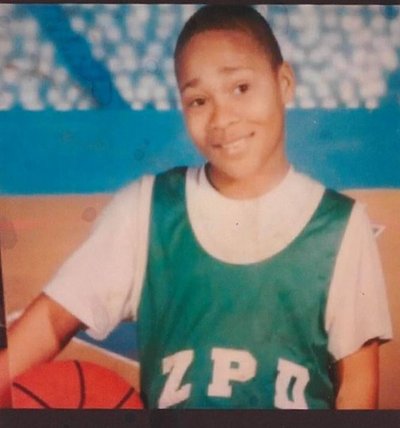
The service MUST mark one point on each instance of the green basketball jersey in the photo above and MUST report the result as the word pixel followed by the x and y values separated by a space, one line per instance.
pixel 219 335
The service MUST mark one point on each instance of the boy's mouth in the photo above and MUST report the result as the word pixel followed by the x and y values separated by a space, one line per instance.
pixel 235 145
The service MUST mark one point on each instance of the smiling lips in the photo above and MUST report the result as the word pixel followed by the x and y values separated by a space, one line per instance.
pixel 233 146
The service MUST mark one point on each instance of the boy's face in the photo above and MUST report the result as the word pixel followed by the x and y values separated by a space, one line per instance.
pixel 233 103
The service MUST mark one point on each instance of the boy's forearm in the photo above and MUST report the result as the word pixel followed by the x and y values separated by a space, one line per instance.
pixel 358 376
pixel 38 336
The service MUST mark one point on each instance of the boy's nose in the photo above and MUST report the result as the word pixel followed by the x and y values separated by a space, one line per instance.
pixel 221 116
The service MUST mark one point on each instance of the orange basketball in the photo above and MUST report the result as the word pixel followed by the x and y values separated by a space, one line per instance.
pixel 73 385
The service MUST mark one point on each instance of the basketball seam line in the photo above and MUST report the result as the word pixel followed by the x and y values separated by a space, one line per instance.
pixel 31 394
pixel 81 383
pixel 125 398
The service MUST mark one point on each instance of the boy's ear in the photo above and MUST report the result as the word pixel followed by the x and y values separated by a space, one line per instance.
pixel 287 82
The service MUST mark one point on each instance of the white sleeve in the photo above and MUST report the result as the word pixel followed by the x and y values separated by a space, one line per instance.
pixel 97 283
pixel 357 308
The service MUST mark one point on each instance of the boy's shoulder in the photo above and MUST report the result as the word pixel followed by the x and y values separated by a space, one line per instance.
pixel 309 183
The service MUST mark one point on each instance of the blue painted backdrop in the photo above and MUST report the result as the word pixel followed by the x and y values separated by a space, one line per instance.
pixel 99 151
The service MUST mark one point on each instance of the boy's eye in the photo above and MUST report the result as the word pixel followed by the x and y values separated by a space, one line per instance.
pixel 241 89
pixel 196 102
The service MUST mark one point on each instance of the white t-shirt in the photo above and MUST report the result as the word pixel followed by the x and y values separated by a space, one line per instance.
pixel 101 282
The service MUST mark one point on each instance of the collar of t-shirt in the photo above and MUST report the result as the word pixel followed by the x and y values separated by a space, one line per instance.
pixel 248 231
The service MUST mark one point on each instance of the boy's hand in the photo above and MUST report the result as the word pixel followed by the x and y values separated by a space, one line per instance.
pixel 358 378
pixel 43 330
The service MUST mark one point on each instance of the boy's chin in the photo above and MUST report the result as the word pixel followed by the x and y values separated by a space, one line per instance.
pixel 226 174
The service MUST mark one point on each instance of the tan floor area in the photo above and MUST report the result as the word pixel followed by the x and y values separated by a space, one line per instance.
pixel 37 233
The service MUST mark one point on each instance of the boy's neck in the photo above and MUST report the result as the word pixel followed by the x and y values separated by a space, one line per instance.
pixel 248 187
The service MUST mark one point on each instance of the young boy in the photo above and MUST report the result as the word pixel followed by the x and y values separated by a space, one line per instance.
pixel 253 285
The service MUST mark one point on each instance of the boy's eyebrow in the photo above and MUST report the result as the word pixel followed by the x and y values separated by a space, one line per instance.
pixel 192 83
pixel 230 69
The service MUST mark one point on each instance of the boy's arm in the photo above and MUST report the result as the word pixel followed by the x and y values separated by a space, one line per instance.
pixel 43 330
pixel 358 378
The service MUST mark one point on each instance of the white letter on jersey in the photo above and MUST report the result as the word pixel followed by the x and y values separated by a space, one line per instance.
pixel 286 372
pixel 173 392
pixel 230 364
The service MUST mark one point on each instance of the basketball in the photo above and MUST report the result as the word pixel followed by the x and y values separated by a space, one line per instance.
pixel 73 385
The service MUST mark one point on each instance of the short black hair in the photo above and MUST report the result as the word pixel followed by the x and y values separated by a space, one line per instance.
pixel 231 17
